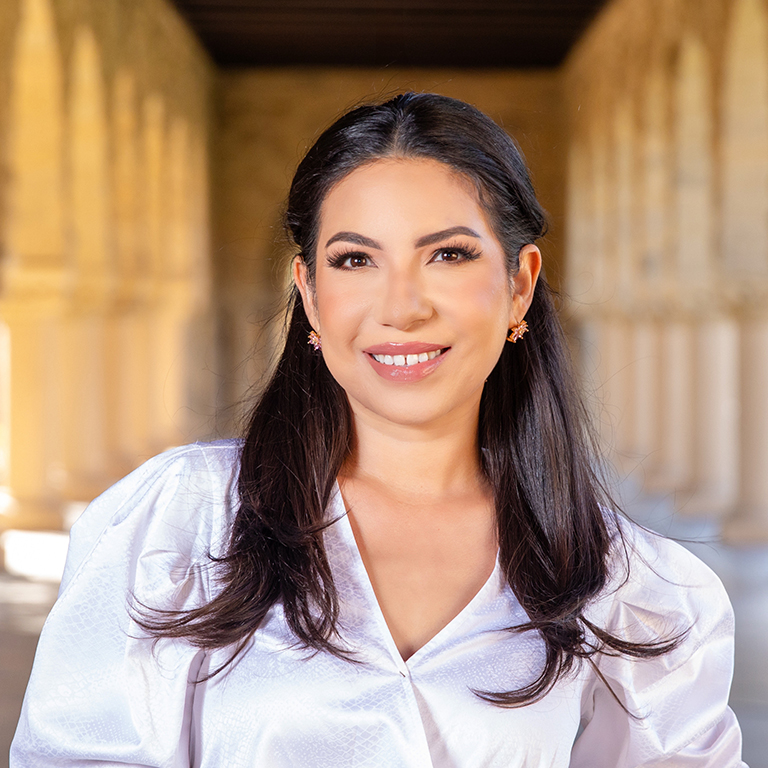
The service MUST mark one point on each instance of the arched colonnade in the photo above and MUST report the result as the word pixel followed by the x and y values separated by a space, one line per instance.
pixel 105 284
pixel 667 256
pixel 104 298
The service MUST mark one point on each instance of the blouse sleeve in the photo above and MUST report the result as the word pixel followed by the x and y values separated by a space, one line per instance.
pixel 677 703
pixel 101 693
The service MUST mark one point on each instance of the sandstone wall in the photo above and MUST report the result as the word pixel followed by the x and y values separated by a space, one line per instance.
pixel 127 327
pixel 124 329
pixel 667 211
pixel 105 112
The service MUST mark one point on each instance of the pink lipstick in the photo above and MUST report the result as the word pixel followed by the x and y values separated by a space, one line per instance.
pixel 405 362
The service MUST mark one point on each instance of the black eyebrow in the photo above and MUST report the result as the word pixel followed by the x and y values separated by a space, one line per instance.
pixel 444 234
pixel 353 237
pixel 435 237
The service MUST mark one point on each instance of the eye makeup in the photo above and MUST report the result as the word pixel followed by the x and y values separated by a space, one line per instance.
pixel 463 252
pixel 337 260
pixel 346 259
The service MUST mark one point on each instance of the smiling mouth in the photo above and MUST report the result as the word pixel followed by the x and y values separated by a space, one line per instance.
pixel 404 361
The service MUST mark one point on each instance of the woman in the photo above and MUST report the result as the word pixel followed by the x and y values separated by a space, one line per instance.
pixel 411 560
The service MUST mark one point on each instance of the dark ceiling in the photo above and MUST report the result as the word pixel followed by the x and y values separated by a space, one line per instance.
pixel 445 33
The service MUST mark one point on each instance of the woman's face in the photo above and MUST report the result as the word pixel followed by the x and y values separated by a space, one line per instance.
pixel 412 297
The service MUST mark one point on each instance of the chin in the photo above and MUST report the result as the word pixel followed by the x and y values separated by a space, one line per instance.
pixel 413 409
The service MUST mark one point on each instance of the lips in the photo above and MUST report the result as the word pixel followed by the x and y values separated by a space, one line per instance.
pixel 410 359
pixel 405 362
pixel 409 348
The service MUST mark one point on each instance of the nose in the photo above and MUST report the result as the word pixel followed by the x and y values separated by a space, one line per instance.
pixel 403 300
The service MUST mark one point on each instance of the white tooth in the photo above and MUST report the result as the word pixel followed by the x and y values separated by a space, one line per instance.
pixel 399 359
pixel 412 359
pixel 423 357
pixel 433 354
pixel 388 360
pixel 378 358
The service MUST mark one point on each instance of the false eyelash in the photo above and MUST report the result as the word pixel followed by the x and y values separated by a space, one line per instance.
pixel 336 260
pixel 468 252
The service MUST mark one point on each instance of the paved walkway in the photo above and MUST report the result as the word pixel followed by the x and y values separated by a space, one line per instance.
pixel 23 608
pixel 744 571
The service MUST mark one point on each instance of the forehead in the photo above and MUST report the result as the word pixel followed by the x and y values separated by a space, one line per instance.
pixel 405 190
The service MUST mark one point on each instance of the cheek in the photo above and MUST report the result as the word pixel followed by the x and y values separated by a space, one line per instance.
pixel 486 300
pixel 341 308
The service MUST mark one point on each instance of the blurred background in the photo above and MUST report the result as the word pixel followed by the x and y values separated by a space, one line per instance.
pixel 146 148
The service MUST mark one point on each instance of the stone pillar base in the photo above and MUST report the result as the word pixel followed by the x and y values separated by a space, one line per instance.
pixel 32 515
pixel 749 524
pixel 708 503
pixel 747 527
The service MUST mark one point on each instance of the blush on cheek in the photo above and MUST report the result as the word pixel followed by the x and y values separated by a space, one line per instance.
pixel 488 301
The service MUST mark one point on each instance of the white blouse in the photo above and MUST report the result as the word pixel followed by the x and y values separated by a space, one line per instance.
pixel 101 693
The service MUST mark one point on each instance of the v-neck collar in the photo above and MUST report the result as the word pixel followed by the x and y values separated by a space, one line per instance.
pixel 344 527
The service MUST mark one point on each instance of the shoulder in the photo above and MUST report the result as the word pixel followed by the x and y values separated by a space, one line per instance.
pixel 101 691
pixel 667 709
pixel 214 462
pixel 659 590
pixel 651 570
pixel 182 500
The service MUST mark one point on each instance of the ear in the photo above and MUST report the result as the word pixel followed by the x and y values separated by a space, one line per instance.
pixel 301 279
pixel 524 282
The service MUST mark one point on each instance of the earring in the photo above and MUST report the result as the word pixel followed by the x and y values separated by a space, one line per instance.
pixel 516 331
pixel 315 340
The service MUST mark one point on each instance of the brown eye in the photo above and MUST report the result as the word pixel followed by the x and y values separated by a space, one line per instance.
pixel 455 255
pixel 349 261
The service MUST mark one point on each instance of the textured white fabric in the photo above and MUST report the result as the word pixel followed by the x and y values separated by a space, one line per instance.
pixel 102 694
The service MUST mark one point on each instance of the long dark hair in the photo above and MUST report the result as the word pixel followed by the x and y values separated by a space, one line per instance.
pixel 536 452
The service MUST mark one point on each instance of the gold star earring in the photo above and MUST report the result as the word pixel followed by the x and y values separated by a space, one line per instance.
pixel 315 340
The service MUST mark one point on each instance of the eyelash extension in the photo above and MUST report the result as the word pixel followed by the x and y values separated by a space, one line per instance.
pixel 336 260
pixel 467 253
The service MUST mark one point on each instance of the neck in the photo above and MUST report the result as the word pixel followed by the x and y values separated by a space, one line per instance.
pixel 416 462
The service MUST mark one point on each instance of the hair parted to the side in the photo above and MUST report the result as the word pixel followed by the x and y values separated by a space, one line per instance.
pixel 537 454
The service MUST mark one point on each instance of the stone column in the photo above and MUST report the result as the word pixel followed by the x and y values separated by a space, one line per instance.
pixel 33 274
pixel 83 400
pixel 132 382
pixel 712 460
pixel 716 404
pixel 652 265
pixel 34 475
pixel 676 406
pixel 745 252
pixel 128 370
pixel 618 377
pixel 154 294
pixel 621 284
pixel 84 405
pixel 647 399
pixel 749 524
